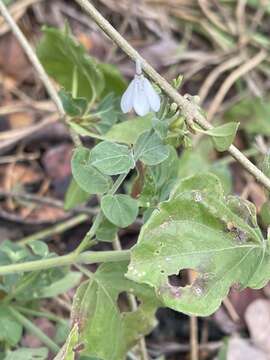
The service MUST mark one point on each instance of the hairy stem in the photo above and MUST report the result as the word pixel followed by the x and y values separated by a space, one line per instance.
pixel 186 106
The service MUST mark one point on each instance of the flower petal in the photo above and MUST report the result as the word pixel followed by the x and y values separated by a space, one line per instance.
pixel 140 101
pixel 127 98
pixel 153 97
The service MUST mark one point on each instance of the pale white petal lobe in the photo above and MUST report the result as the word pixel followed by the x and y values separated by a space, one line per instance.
pixel 127 98
pixel 153 97
pixel 140 101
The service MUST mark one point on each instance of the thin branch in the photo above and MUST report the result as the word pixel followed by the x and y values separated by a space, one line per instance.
pixel 186 106
pixel 37 65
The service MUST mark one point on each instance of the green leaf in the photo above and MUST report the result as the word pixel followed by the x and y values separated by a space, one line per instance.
pixel 105 331
pixel 10 329
pixel 74 195
pixel 150 149
pixel 160 127
pixel 72 106
pixel 108 112
pixel 159 180
pixel 87 176
pixel 265 214
pixel 67 351
pixel 69 281
pixel 28 354
pixel 254 114
pixel 61 55
pixel 200 229
pixel 106 231
pixel 114 81
pixel 39 248
pixel 128 131
pixel 111 158
pixel 120 209
pixel 223 136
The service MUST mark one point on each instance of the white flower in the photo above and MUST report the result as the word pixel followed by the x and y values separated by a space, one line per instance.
pixel 140 95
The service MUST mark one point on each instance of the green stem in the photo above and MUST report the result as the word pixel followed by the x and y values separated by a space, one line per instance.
pixel 40 314
pixel 29 325
pixel 88 257
pixel 56 229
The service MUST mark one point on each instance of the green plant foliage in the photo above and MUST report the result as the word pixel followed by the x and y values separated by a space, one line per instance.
pixel 86 175
pixel 120 209
pixel 72 106
pixel 61 55
pixel 10 329
pixel 254 115
pixel 67 351
pixel 115 83
pixel 265 214
pixel 111 158
pixel 27 354
pixel 106 231
pixel 105 331
pixel 199 228
pixel 74 195
pixel 159 180
pixel 108 113
pixel 127 132
pixel 150 149
pixel 223 135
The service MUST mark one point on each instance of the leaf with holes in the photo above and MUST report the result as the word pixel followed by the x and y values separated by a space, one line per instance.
pixel 223 135
pixel 111 158
pixel 104 331
pixel 120 209
pixel 200 229
pixel 87 176
pixel 150 149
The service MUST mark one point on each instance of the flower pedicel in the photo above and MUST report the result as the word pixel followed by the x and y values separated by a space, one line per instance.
pixel 140 95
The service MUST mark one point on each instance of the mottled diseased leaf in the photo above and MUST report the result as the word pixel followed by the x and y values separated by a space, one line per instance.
pixel 104 331
pixel 61 55
pixel 223 135
pixel 74 195
pixel 10 329
pixel 198 229
pixel 111 158
pixel 67 351
pixel 150 149
pixel 128 131
pixel 106 231
pixel 72 106
pixel 87 176
pixel 28 354
pixel 120 209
